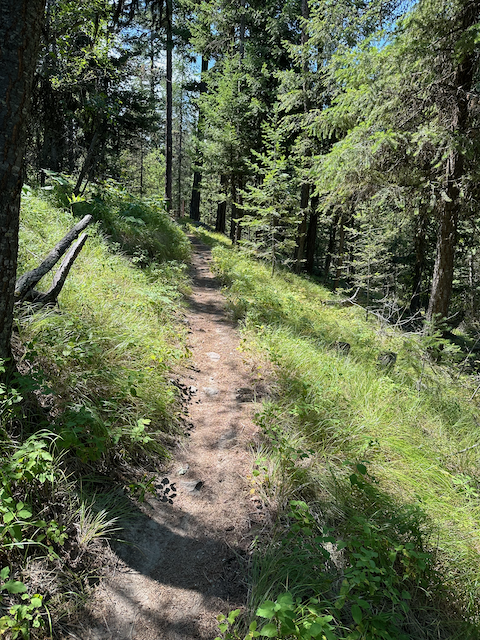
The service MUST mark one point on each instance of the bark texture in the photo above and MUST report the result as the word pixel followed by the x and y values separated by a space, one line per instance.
pixel 197 176
pixel 461 86
pixel 20 28
pixel 222 207
pixel 169 107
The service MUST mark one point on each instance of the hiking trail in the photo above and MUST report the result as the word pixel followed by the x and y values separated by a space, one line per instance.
pixel 182 564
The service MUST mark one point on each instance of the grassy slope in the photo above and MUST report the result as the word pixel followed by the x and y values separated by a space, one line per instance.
pixel 411 426
pixel 106 349
pixel 101 361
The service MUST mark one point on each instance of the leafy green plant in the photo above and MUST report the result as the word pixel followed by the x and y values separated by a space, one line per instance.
pixel 141 488
pixel 32 462
pixel 19 617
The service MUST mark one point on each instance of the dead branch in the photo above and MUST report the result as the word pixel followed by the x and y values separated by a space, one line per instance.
pixel 342 303
pixel 26 282
pixel 41 299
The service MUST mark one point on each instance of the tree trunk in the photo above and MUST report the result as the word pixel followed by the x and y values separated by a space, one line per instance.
pixel 311 236
pixel 87 162
pixel 233 215
pixel 169 108
pixel 462 83
pixel 442 280
pixel 28 280
pixel 222 207
pixel 340 254
pixel 331 244
pixel 238 211
pixel 20 28
pixel 197 176
pixel 419 268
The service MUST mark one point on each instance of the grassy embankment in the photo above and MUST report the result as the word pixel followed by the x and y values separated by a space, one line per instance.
pixel 373 470
pixel 99 365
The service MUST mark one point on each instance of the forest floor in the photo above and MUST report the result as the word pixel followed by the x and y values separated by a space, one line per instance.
pixel 183 562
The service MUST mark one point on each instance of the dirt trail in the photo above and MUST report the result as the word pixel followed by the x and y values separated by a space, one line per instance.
pixel 183 566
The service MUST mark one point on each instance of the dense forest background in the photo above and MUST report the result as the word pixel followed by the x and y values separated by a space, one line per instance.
pixel 336 138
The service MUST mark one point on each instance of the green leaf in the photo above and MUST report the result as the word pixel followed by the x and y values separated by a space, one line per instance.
pixel 269 630
pixel 266 610
pixel 285 600
pixel 24 514
pixel 14 586
pixel 4 573
pixel 316 629
pixel 357 613
pixel 233 615
pixel 361 468
pixel 36 601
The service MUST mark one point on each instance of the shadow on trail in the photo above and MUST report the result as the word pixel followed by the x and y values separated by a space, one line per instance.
pixel 154 543
pixel 158 549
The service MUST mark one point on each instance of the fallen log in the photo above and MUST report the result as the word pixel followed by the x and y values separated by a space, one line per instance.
pixel 49 297
pixel 28 280
pixel 24 288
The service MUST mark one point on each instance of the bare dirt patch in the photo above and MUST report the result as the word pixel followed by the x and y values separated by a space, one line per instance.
pixel 183 563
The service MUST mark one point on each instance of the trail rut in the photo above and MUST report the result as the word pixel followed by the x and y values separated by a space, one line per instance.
pixel 183 564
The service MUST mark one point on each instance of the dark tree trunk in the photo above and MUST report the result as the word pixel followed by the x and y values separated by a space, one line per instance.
pixel 220 222
pixel 20 28
pixel 87 162
pixel 442 280
pixel 233 215
pixel 311 236
pixel 238 211
pixel 419 267
pixel 197 176
pixel 169 108
pixel 462 83
pixel 305 188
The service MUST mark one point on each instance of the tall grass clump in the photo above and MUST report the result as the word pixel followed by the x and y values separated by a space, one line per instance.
pixel 379 460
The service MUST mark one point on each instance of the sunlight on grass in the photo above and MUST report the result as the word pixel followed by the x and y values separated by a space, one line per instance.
pixel 406 424
pixel 105 350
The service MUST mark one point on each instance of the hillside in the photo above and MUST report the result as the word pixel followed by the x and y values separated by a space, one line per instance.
pixel 362 472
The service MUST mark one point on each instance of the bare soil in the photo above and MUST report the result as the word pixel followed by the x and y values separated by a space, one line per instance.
pixel 185 557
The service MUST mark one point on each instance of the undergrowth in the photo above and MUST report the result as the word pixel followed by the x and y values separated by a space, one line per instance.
pixel 377 453
pixel 91 401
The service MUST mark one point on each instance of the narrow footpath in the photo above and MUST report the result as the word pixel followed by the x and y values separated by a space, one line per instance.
pixel 185 561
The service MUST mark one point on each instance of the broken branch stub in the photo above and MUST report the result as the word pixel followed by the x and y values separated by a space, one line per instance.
pixel 28 280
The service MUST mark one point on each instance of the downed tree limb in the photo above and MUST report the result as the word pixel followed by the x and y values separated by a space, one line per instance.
pixel 39 298
pixel 26 282
pixel 342 303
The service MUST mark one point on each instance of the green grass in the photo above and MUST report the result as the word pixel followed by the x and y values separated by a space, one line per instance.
pixel 411 426
pixel 100 363
pixel 106 349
